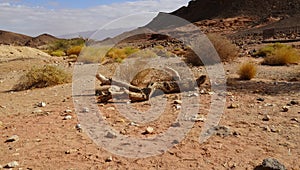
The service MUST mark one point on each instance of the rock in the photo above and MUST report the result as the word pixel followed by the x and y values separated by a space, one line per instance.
pixel 275 130
pixel 149 130
pixel 198 119
pixel 177 124
pixel 293 102
pixel 233 106
pixel 178 107
pixel 111 135
pixel 3 107
pixel 285 109
pixel 1 124
pixel 68 117
pixel 177 102
pixel 295 120
pixel 222 131
pixel 13 138
pixel 272 164
pixel 71 151
pixel 111 109
pixel 41 104
pixel 266 118
pixel 267 128
pixel 37 111
pixel 13 164
pixel 109 159
pixel 133 124
pixel 85 110
pixel 68 111
pixel 78 127
pixel 260 99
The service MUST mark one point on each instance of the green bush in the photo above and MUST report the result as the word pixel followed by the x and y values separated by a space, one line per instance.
pixel 75 50
pixel 40 77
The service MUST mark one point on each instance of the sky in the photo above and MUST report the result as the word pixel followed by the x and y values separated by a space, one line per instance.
pixel 60 17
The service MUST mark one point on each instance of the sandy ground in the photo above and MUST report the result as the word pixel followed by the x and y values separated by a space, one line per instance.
pixel 46 141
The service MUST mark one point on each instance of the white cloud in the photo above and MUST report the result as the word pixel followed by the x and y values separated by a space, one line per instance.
pixel 37 20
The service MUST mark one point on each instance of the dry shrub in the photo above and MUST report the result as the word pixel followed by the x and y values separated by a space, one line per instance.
pixel 247 71
pixel 119 54
pixel 282 55
pixel 226 50
pixel 75 50
pixel 40 77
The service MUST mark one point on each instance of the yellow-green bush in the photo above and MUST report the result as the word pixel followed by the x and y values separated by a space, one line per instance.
pixel 39 77
pixel 279 55
pixel 75 50
pixel 247 71
pixel 58 53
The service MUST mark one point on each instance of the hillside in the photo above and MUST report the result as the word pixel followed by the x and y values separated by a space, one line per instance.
pixel 207 9
pixel 10 38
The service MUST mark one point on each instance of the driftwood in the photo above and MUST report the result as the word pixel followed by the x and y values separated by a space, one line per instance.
pixel 117 89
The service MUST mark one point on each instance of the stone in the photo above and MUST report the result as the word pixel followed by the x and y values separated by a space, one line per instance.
pixel 111 109
pixel 85 110
pixel 266 118
pixel 233 106
pixel 272 164
pixel 149 130
pixel 68 117
pixel 295 120
pixel 267 128
pixel 178 107
pixel 198 119
pixel 109 159
pixel 13 138
pixel 71 151
pixel 68 111
pixel 13 164
pixel 111 135
pixel 78 127
pixel 133 124
pixel 41 104
pixel 37 111
pixel 1 124
pixel 260 99
pixel 285 109
pixel 177 102
pixel 293 102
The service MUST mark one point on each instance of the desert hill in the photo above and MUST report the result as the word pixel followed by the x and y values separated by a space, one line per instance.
pixel 10 38
pixel 207 9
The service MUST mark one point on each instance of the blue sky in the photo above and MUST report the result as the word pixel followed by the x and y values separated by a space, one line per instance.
pixel 60 17
pixel 66 4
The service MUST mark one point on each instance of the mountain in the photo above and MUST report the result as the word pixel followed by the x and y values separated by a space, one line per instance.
pixel 10 38
pixel 198 10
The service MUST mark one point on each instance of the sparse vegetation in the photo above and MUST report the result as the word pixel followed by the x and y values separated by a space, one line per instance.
pixel 247 71
pixel 69 47
pixel 226 50
pixel 279 55
pixel 40 77
pixel 58 53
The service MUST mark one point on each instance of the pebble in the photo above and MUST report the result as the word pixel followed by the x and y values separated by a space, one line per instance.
pixel 13 164
pixel 267 128
pixel 111 109
pixel 266 118
pixel 13 138
pixel 233 106
pixel 41 104
pixel 109 159
pixel 177 102
pixel 68 111
pixel 38 111
pixel 133 124
pixel 78 127
pixel 85 110
pixel 68 117
pixel 149 130
pixel 178 107
pixel 260 99
pixel 293 102
pixel 3 107
pixel 295 120
pixel 71 151
pixel 1 124
pixel 111 135
pixel 285 109
pixel 198 119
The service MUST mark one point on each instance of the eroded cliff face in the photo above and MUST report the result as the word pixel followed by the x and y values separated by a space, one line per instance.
pixel 207 9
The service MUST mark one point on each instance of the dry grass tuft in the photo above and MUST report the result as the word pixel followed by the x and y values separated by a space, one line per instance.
pixel 281 55
pixel 247 71
pixel 40 77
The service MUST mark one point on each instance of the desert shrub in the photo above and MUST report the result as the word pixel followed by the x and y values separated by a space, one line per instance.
pixel 247 71
pixel 40 77
pixel 75 50
pixel 93 54
pixel 58 53
pixel 268 50
pixel 226 49
pixel 65 45
pixel 281 55
pixel 119 54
